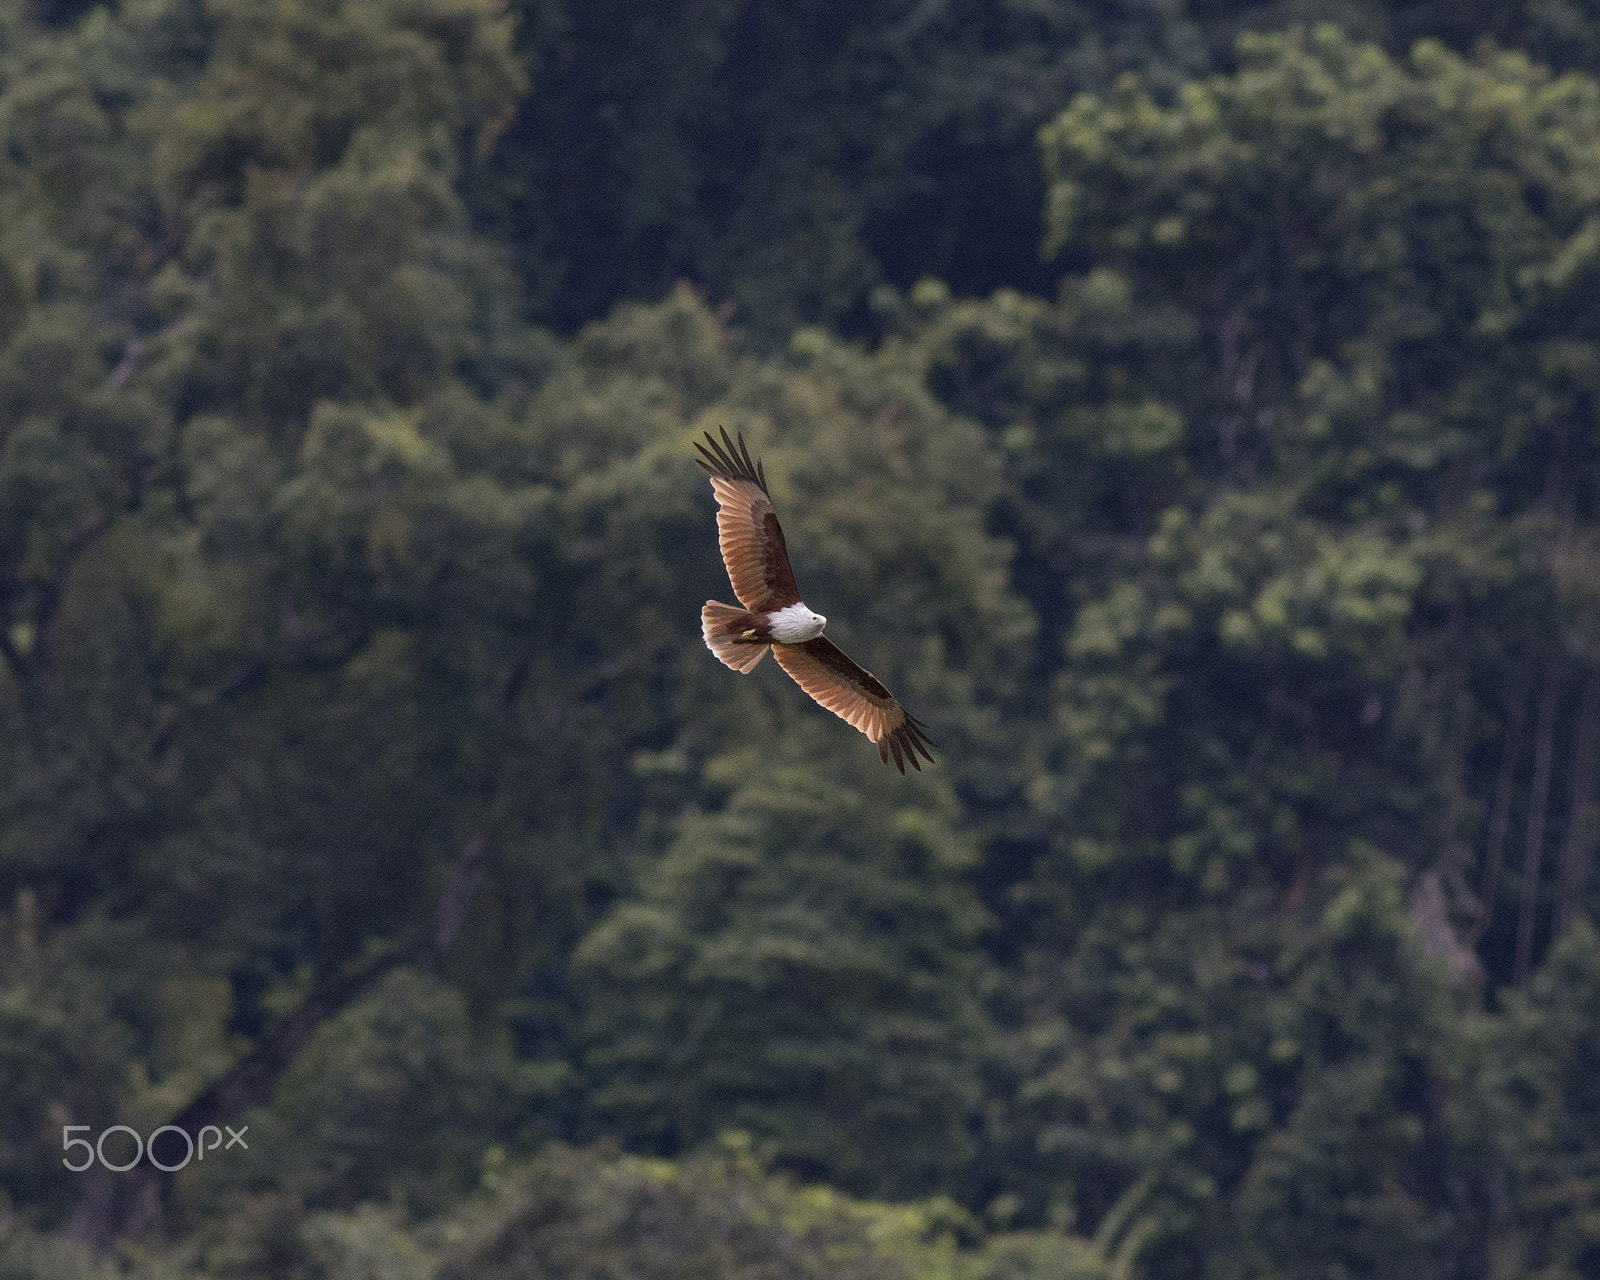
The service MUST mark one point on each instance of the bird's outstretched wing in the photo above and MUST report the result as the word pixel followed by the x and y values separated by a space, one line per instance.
pixel 747 530
pixel 851 692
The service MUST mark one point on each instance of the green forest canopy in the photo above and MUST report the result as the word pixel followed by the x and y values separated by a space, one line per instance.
pixel 1189 410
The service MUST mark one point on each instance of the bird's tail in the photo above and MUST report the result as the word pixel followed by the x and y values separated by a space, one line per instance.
pixel 723 627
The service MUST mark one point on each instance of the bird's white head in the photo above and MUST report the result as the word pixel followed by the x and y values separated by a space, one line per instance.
pixel 796 624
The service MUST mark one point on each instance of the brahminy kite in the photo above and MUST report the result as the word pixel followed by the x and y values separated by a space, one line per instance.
pixel 775 618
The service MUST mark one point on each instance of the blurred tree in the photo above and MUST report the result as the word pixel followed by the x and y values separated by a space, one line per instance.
pixel 400 574
pixel 202 215
pixel 1322 418
pixel 571 1214
pixel 1390 384
pixel 801 965
pixel 1540 1067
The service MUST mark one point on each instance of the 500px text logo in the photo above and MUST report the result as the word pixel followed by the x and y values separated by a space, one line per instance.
pixel 194 1148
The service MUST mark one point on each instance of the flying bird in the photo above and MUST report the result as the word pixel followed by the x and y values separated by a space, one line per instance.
pixel 774 617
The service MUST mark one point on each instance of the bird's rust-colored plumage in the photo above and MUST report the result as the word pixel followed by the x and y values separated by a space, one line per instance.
pixel 851 692
pixel 747 528
pixel 758 566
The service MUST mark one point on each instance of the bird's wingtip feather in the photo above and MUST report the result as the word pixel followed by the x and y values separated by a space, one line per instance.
pixel 731 461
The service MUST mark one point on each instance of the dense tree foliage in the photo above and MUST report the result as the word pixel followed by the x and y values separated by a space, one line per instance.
pixel 788 160
pixel 1189 410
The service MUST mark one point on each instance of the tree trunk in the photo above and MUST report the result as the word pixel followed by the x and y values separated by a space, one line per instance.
pixel 1583 811
pixel 1533 854
pixel 1500 815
